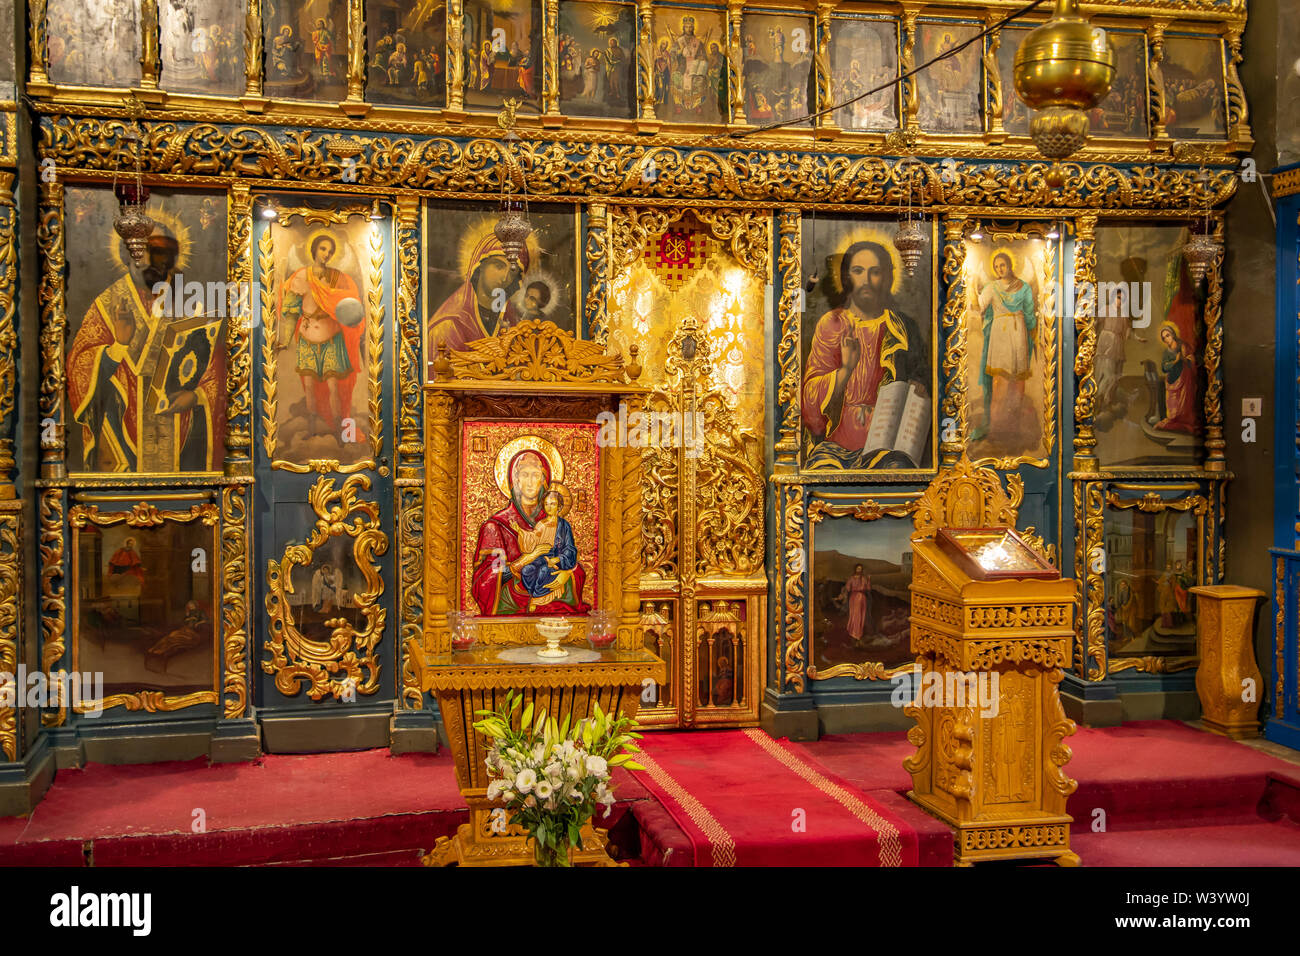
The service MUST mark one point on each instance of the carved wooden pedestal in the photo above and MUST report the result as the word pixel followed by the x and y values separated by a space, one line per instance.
pixel 989 765
pixel 533 390
pixel 1226 647
pixel 468 681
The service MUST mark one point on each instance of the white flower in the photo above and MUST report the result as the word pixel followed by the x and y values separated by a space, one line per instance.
pixel 539 752
pixel 596 766
pixel 495 788
pixel 526 780
pixel 544 789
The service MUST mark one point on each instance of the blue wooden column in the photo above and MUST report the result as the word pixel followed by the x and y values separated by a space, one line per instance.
pixel 1283 723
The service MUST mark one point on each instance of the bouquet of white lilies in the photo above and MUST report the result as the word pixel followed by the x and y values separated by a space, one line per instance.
pixel 550 776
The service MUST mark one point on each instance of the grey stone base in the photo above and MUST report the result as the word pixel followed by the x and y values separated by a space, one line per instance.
pixel 324 734
pixel 23 784
pixel 1162 705
pixel 236 741
pixel 413 732
pixel 867 717
pixel 794 724
pixel 1093 713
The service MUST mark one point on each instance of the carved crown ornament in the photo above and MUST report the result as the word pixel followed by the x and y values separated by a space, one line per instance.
pixel 966 495
pixel 709 170
pixel 533 353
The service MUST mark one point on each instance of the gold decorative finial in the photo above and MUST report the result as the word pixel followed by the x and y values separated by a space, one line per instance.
pixel 506 118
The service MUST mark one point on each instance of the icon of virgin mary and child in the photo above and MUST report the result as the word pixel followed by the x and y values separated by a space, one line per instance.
pixel 526 561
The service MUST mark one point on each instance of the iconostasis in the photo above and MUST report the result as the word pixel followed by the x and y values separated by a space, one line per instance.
pixel 232 464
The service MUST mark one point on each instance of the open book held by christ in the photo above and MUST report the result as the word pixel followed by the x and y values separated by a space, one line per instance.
pixel 900 422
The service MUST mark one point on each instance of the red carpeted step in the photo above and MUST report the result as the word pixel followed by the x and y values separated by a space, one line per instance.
pixel 1281 796
pixel 663 842
pixel 935 844
pixel 1142 774
pixel 1243 844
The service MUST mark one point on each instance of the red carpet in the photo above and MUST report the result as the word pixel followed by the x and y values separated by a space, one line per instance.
pixel 1166 794
pixel 743 799
pixel 1169 795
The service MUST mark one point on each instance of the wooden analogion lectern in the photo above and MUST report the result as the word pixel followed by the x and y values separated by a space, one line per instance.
pixel 532 511
pixel 992 623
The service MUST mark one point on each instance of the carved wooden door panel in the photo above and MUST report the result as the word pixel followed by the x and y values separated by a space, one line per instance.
pixel 323 364
pixel 689 292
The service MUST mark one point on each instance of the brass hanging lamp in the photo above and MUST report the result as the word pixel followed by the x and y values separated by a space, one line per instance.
pixel 131 221
pixel 1063 69
pixel 909 240
pixel 512 228
pixel 1203 246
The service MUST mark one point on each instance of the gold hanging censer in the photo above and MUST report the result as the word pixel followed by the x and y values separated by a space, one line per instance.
pixel 512 228
pixel 131 222
pixel 1203 246
pixel 909 240
pixel 1063 69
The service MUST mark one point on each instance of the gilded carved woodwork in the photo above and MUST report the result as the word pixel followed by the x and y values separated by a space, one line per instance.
pixel 1090 520
pixel 551 57
pixel 596 253
pixel 142 514
pixel 789 316
pixel 1156 79
pixel 583 166
pixel 455 55
pixel 537 351
pixel 50 297
pixel 968 496
pixel 239 333
pixel 956 416
pixel 645 61
pixel 150 55
pixel 910 86
pixel 794 589
pixel 1238 105
pixel 995 774
pixel 735 61
pixel 36 40
pixel 347 663
pixel 1214 441
pixel 8 331
pixel 410 356
pixel 822 68
pixel 53 598
pixel 11 577
pixel 235 583
pixel 253 50
pixel 356 54
pixel 1085 343
pixel 993 82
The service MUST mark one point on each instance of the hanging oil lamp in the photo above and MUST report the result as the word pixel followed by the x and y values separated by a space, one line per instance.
pixel 1063 69
pixel 1203 246
pixel 512 228
pixel 909 240
pixel 131 222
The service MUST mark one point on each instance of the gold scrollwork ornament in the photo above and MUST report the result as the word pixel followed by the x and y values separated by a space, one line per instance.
pixel 347 663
